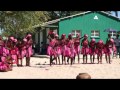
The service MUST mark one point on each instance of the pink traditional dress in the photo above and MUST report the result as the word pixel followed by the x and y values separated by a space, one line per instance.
pixel 50 49
pixel 14 51
pixel 3 65
pixel 57 48
pixel 14 54
pixel 108 47
pixel 77 46
pixel 23 48
pixel 100 48
pixel 20 45
pixel 85 49
pixel 29 49
pixel 70 49
pixel 92 46
pixel 63 47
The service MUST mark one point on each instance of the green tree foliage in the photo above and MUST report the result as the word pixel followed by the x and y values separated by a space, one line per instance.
pixel 18 23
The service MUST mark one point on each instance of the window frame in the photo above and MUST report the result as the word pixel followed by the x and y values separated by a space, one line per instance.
pixel 95 34
pixel 112 34
pixel 75 33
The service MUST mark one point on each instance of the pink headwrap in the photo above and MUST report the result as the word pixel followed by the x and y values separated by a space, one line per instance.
pixel 78 34
pixel 12 38
pixel 56 35
pixel 25 40
pixel 63 34
pixel 15 40
pixel 100 41
pixel 85 36
pixel 50 32
pixel 111 40
pixel 93 40
pixel 29 35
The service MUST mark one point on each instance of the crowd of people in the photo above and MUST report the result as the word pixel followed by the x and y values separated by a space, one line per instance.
pixel 69 48
pixel 13 50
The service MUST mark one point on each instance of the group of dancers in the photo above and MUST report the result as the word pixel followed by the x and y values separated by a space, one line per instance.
pixel 70 48
pixel 13 50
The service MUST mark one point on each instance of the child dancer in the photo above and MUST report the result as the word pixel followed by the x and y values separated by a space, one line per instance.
pixel 108 49
pixel 8 48
pixel 77 45
pixel 85 49
pixel 92 47
pixel 57 48
pixel 70 48
pixel 14 51
pixel 3 66
pixel 99 50
pixel 63 47
pixel 28 49
pixel 50 50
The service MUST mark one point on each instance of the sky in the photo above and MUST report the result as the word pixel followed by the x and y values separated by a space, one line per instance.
pixel 118 13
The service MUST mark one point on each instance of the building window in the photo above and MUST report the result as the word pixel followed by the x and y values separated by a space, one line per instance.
pixel 74 32
pixel 95 33
pixel 113 34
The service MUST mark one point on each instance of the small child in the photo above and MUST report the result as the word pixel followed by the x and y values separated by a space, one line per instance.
pixel 92 47
pixel 99 50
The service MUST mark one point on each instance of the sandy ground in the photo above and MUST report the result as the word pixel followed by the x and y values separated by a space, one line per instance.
pixel 44 71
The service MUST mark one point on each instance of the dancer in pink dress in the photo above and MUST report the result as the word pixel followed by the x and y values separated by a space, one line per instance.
pixel 70 48
pixel 77 45
pixel 85 49
pixel 28 49
pixel 63 47
pixel 19 45
pixel 92 47
pixel 3 66
pixel 57 48
pixel 8 48
pixel 99 50
pixel 50 49
pixel 14 51
pixel 108 50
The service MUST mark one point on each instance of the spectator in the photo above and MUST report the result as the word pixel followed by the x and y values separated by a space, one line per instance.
pixel 117 44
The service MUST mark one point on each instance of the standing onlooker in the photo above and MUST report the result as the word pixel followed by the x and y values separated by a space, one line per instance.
pixel 117 44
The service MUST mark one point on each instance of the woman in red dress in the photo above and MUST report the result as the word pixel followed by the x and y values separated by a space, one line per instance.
pixel 77 45
pixel 85 49
pixel 9 46
pixel 50 49
pixel 108 49
pixel 70 48
pixel 29 50
pixel 99 50
pixel 14 51
pixel 57 48
pixel 92 47
pixel 63 47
